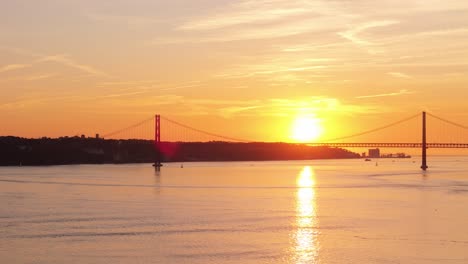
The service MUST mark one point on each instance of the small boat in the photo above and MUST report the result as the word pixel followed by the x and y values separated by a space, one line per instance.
pixel 367 160
pixel 157 165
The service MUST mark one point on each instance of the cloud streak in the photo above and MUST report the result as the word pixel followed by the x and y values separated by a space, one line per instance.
pixel 255 20
pixel 12 67
pixel 65 60
pixel 131 21
pixel 401 92
pixel 242 17
pixel 353 34
pixel 399 75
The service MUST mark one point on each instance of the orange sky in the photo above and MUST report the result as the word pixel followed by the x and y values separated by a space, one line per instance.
pixel 242 68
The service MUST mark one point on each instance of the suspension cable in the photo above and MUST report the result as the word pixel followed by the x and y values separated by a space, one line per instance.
pixel 126 128
pixel 373 130
pixel 205 132
pixel 448 121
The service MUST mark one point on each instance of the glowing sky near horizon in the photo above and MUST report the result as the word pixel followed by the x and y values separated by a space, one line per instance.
pixel 80 66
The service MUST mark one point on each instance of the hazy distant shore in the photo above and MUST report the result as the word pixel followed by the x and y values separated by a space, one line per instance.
pixel 15 151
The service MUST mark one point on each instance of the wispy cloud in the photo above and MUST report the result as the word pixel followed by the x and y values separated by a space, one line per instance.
pixel 244 14
pixel 63 59
pixel 236 110
pixel 399 75
pixel 122 94
pixel 353 34
pixel 319 105
pixel 37 101
pixel 193 84
pixel 280 68
pixel 401 92
pixel 131 21
pixel 67 61
pixel 12 67
pixel 259 32
pixel 252 20
pixel 33 77
pixel 128 83
pixel 39 77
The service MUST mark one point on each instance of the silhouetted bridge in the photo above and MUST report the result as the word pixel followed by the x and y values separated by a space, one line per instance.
pixel 448 135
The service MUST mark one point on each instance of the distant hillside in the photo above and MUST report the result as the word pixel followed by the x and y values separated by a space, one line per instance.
pixel 76 150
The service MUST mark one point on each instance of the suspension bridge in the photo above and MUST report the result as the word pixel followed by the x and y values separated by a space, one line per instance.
pixel 441 133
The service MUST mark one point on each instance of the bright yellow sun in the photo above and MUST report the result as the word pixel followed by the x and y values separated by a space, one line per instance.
pixel 306 129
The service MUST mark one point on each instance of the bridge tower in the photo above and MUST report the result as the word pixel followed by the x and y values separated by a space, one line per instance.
pixel 157 140
pixel 424 143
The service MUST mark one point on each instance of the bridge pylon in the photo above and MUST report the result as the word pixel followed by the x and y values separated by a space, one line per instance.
pixel 157 141
pixel 424 143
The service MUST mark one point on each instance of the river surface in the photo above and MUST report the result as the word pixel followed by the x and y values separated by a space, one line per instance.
pixel 334 211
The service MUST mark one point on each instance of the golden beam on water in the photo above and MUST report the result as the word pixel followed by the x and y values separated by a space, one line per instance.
pixel 305 236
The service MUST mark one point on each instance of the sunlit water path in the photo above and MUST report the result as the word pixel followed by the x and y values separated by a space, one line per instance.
pixel 335 211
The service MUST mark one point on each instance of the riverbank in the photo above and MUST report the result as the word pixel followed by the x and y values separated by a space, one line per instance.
pixel 15 151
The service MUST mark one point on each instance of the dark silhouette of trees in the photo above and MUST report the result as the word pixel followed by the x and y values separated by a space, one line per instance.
pixel 16 151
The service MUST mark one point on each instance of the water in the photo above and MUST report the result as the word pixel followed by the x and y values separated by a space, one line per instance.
pixel 335 211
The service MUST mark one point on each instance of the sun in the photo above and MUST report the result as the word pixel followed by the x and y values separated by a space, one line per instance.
pixel 306 129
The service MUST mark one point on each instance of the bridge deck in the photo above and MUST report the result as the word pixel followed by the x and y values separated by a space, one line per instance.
pixel 391 145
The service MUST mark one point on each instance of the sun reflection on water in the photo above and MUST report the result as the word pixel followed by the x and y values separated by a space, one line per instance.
pixel 305 236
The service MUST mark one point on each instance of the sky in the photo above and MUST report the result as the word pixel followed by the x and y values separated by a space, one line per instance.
pixel 243 68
